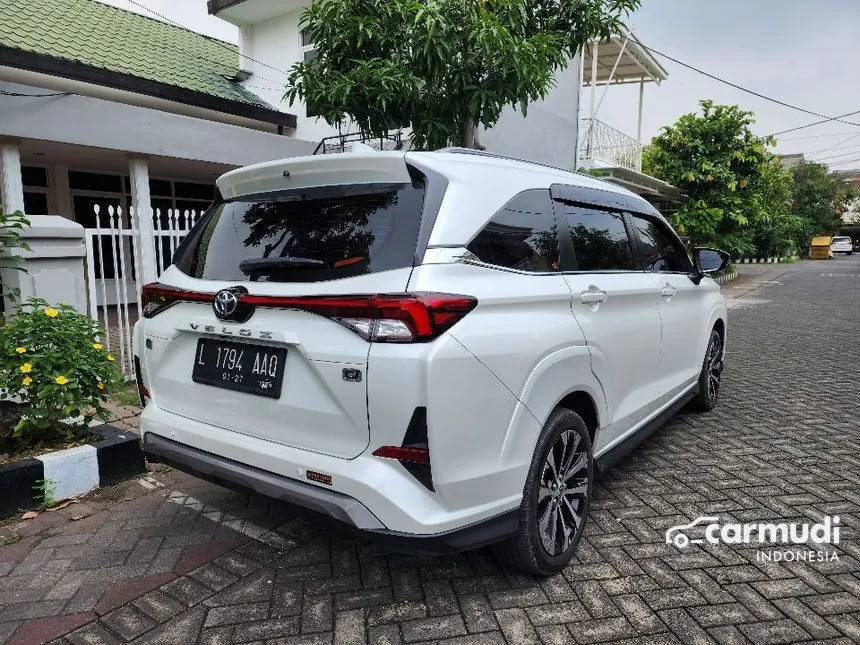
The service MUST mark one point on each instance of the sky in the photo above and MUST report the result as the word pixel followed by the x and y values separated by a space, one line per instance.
pixel 802 52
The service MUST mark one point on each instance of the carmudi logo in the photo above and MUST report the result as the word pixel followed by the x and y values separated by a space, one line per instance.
pixel 708 529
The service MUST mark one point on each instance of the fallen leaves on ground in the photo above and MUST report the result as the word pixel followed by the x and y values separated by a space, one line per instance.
pixel 61 505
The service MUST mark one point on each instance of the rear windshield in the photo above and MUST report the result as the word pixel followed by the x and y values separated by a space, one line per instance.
pixel 841 239
pixel 305 238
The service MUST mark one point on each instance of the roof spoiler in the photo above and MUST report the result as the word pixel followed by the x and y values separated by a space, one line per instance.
pixel 317 171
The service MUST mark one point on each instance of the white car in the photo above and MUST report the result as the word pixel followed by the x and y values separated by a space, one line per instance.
pixel 842 244
pixel 441 349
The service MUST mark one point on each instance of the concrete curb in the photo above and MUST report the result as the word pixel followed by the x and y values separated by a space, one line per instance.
pixel 773 260
pixel 72 472
pixel 722 279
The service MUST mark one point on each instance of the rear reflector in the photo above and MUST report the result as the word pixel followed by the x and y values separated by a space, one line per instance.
pixel 141 389
pixel 393 318
pixel 403 453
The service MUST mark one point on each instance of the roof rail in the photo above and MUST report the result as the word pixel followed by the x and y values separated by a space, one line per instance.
pixel 496 155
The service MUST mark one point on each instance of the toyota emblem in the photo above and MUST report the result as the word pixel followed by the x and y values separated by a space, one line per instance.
pixel 225 304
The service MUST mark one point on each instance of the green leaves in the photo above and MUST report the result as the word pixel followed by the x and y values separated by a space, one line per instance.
pixel 11 225
pixel 739 197
pixel 818 197
pixel 54 360
pixel 440 67
pixel 720 165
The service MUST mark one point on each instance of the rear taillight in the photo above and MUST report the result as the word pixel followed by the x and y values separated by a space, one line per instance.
pixel 156 297
pixel 393 318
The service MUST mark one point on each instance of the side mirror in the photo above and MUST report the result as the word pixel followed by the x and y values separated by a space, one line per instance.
pixel 710 260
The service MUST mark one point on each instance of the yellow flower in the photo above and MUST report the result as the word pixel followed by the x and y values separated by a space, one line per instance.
pixel 26 368
pixel 61 380
pixel 50 312
pixel 27 380
pixel 101 385
pixel 111 358
pixel 98 346
pixel 20 350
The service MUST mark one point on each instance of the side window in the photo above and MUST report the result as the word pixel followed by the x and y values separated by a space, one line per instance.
pixel 523 235
pixel 599 240
pixel 661 251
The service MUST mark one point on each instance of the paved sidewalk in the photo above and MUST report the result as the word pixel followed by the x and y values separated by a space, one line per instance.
pixel 171 559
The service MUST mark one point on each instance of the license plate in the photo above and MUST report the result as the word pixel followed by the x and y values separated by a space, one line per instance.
pixel 255 369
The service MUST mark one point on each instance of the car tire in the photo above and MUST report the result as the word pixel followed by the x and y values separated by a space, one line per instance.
pixel 710 376
pixel 549 502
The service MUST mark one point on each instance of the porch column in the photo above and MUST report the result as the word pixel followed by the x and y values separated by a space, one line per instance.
pixel 594 46
pixel 11 184
pixel 138 170
pixel 641 101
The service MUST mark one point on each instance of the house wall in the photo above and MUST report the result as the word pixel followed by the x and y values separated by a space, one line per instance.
pixel 550 132
pixel 107 124
pixel 277 43
pixel 548 135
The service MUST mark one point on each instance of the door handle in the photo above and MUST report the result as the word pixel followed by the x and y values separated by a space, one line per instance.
pixel 592 297
pixel 668 290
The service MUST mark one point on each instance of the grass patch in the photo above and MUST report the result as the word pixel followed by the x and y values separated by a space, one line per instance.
pixel 126 394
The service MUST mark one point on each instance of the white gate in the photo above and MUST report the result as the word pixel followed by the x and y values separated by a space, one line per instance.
pixel 114 268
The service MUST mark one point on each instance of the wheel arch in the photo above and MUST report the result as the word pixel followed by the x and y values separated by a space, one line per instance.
pixel 561 379
pixel 720 326
pixel 583 404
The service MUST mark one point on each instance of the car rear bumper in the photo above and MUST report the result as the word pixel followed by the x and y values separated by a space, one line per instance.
pixel 329 503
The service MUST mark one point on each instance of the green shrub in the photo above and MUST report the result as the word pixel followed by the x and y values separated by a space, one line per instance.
pixel 51 357
pixel 11 225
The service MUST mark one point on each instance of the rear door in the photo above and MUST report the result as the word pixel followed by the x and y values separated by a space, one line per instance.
pixel 616 306
pixel 681 304
pixel 279 373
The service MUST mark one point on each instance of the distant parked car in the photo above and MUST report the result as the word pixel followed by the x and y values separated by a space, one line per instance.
pixel 842 244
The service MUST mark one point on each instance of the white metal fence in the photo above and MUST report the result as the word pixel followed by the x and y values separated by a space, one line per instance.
pixel 114 267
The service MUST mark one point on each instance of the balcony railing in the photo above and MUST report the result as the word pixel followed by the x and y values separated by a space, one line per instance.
pixel 392 140
pixel 603 143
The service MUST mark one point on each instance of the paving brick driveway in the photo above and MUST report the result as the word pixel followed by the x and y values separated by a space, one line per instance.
pixel 178 561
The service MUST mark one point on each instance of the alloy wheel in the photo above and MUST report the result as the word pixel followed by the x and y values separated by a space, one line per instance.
pixel 715 366
pixel 563 492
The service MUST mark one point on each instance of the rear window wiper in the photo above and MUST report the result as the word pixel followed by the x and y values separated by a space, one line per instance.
pixel 261 265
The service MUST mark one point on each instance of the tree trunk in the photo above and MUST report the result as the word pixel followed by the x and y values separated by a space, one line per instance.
pixel 467 137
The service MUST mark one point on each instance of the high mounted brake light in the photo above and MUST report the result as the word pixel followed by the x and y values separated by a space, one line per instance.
pixel 393 318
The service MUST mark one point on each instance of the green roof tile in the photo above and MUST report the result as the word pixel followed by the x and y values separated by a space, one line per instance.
pixel 96 34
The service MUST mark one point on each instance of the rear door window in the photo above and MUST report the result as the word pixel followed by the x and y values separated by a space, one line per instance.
pixel 522 236
pixel 661 251
pixel 305 239
pixel 599 239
